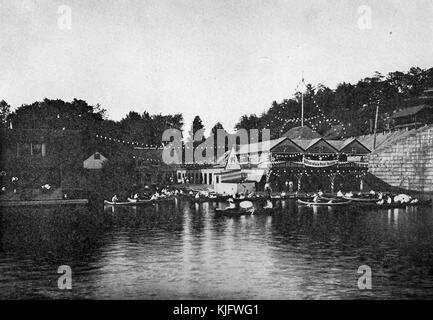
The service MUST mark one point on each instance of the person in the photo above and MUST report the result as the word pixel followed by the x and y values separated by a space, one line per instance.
pixel 320 193
pixel 114 199
pixel 231 204
pixel 268 189
pixel 197 195
pixel 316 198
pixel 268 205
pixel 290 186
pixel 340 194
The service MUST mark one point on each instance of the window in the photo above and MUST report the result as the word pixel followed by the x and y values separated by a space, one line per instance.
pixel 31 149
pixel 179 175
pixel 97 156
pixel 36 149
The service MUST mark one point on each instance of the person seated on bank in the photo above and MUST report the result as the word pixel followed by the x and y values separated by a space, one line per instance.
pixel 320 193
pixel 114 199
pixel 135 196
pixel 268 205
pixel 316 198
pixel 197 195
pixel 340 194
pixel 231 204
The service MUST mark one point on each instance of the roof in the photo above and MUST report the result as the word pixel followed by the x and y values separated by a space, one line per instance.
pixel 301 133
pixel 340 144
pixel 305 144
pixel 410 111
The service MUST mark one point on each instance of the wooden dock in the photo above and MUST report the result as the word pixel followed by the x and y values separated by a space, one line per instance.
pixel 51 202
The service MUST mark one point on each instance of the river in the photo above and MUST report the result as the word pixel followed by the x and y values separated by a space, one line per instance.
pixel 183 250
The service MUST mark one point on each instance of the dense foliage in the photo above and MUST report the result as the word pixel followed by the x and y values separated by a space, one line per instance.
pixel 353 105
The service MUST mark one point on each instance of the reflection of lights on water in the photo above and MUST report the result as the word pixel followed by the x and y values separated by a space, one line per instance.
pixel 393 216
pixel 396 216
pixel 268 221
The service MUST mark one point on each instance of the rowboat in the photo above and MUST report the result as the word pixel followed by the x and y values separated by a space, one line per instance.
pixel 325 203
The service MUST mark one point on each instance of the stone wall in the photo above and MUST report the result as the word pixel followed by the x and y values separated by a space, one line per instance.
pixel 406 161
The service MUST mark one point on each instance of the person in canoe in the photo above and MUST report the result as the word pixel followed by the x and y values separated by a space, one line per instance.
pixel 114 199
pixel 269 204
pixel 231 204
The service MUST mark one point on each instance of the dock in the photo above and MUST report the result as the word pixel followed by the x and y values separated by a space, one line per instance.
pixel 51 202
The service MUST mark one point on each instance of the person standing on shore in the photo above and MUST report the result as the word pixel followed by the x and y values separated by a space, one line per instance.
pixel 268 189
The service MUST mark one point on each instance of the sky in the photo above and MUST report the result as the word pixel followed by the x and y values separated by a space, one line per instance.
pixel 217 59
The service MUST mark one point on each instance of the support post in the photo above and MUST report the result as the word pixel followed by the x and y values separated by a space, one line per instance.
pixel 333 176
pixel 375 126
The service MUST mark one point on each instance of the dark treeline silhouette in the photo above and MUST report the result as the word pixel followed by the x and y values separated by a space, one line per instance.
pixel 353 105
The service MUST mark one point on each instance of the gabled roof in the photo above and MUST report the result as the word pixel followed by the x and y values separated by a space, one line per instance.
pixel 410 111
pixel 340 145
pixel 308 144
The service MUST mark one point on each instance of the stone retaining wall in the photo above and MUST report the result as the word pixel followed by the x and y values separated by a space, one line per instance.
pixel 407 161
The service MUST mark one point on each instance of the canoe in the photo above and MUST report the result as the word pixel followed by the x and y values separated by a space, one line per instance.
pixel 233 211
pixel 325 203
pixel 363 200
pixel 140 201
pixel 127 203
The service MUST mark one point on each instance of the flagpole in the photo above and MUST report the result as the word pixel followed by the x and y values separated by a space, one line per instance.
pixel 302 102
pixel 302 112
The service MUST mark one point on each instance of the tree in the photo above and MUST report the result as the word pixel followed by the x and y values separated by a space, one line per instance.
pixel 5 110
pixel 197 125
pixel 214 136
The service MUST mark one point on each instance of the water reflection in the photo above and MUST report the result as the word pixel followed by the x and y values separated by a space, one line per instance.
pixel 186 250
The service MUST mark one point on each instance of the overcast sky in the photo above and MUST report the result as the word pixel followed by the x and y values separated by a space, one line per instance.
pixel 218 59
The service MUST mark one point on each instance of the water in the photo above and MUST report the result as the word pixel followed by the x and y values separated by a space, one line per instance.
pixel 185 251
